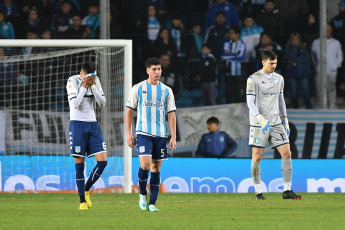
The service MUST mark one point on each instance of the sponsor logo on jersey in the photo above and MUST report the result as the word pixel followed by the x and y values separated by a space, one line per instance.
pixel 153 103
pixel 269 93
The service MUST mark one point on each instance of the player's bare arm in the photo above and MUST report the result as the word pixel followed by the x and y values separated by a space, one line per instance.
pixel 129 118
pixel 172 125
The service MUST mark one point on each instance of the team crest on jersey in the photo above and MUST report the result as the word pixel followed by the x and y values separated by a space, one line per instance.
pixel 221 139
pixel 276 82
pixel 163 93
pixel 257 140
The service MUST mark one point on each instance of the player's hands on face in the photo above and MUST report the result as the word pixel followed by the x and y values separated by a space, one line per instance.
pixel 130 141
pixel 172 145
pixel 89 81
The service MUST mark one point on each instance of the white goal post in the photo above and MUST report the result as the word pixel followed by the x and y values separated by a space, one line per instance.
pixel 127 82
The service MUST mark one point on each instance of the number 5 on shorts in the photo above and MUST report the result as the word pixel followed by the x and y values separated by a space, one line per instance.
pixel 162 153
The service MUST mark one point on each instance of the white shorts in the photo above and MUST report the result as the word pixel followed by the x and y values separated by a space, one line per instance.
pixel 276 138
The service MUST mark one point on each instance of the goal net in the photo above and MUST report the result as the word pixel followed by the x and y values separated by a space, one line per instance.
pixel 34 113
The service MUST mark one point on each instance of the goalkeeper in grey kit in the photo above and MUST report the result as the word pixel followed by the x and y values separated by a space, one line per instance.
pixel 268 122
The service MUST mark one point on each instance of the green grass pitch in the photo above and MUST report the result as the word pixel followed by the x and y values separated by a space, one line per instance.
pixel 177 211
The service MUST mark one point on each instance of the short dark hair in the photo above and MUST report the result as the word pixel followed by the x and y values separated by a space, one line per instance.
pixel 152 61
pixel 236 29
pixel 266 54
pixel 207 45
pixel 88 67
pixel 212 120
pixel 220 13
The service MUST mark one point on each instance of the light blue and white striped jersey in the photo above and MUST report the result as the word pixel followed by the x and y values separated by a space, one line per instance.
pixel 234 53
pixel 152 103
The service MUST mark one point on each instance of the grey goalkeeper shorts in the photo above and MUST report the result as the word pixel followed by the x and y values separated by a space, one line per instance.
pixel 276 138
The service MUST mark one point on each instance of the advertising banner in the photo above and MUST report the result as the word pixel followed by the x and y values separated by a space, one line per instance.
pixel 178 175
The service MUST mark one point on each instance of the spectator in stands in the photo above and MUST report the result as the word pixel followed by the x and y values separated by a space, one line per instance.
pixel 234 54
pixel 250 35
pixel 334 60
pixel 33 22
pixel 62 21
pixel 153 24
pixel 193 54
pixel 207 75
pixel 78 31
pixel 311 31
pixel 92 20
pixel 295 14
pixel 267 43
pixel 272 22
pixel 165 44
pixel 194 43
pixel 216 144
pixel 180 36
pixel 6 28
pixel 229 10
pixel 297 67
pixel 338 24
pixel 54 7
pixel 216 36
pixel 170 75
pixel 11 10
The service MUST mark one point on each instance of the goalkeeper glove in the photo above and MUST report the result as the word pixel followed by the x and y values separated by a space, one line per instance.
pixel 286 126
pixel 265 124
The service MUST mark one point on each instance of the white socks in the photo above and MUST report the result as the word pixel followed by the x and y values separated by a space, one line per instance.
pixel 287 173
pixel 256 175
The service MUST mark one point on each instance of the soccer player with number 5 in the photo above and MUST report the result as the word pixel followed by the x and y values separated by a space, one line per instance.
pixel 85 135
pixel 268 122
pixel 153 100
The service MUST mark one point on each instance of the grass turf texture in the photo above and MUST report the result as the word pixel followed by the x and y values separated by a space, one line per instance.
pixel 177 211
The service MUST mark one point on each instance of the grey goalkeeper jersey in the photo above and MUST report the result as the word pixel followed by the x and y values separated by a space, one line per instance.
pixel 266 92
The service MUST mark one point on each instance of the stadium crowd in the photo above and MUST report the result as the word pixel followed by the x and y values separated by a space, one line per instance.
pixel 234 32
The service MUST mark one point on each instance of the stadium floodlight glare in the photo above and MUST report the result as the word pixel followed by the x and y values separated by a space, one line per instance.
pixel 36 107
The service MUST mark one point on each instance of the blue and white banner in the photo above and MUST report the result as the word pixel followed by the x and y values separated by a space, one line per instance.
pixel 178 175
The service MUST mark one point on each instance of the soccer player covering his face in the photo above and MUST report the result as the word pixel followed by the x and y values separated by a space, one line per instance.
pixel 268 122
pixel 85 135
pixel 153 100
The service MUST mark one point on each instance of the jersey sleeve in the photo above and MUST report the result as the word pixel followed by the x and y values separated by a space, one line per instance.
pixel 171 102
pixel 282 85
pixel 72 88
pixel 250 86
pixel 99 87
pixel 133 98
pixel 98 93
